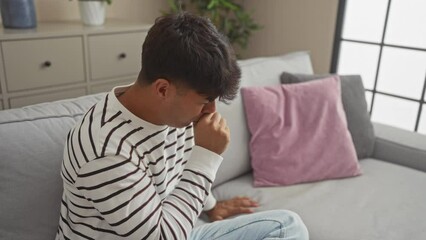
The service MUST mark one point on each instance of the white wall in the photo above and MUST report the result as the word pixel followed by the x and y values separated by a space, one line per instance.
pixel 143 10
pixel 292 25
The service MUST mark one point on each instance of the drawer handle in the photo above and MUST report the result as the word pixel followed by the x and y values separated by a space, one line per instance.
pixel 47 64
pixel 122 56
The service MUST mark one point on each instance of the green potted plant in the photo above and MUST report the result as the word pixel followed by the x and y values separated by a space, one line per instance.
pixel 228 16
pixel 92 12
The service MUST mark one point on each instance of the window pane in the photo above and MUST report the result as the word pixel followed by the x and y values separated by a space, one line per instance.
pixel 406 23
pixel 402 72
pixel 422 124
pixel 358 58
pixel 364 20
pixel 395 111
pixel 368 98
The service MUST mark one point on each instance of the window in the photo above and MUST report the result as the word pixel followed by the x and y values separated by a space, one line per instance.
pixel 384 41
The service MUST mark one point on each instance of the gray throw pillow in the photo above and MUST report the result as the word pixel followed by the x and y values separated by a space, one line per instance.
pixel 355 105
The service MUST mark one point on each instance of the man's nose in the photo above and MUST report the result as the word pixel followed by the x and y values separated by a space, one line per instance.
pixel 210 107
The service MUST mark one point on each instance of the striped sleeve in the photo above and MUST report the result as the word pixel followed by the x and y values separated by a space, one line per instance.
pixel 210 202
pixel 126 197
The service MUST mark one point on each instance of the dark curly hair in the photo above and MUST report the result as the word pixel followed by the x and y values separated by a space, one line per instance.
pixel 187 49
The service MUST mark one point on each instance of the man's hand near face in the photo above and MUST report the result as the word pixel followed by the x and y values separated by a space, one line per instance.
pixel 228 208
pixel 212 133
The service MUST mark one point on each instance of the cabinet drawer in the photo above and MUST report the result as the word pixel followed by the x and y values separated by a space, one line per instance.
pixel 48 97
pixel 115 55
pixel 44 62
pixel 109 86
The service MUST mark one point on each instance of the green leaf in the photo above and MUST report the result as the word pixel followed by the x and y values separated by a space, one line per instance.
pixel 230 5
pixel 173 5
pixel 228 16
pixel 212 4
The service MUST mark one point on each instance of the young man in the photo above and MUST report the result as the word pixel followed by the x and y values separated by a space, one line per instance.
pixel 140 163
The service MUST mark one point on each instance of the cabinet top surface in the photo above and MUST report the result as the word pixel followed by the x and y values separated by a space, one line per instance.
pixel 69 28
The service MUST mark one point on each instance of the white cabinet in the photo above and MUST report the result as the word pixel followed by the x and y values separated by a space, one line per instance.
pixel 59 60
pixel 106 87
pixel 115 55
pixel 45 97
pixel 42 63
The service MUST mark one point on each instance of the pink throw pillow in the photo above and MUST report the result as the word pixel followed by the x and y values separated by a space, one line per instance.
pixel 299 133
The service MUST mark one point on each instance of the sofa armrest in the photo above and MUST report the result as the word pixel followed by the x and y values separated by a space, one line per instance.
pixel 400 146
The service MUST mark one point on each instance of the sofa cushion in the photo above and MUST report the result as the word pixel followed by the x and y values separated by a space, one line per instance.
pixel 386 202
pixel 263 71
pixel 299 133
pixel 31 148
pixel 355 105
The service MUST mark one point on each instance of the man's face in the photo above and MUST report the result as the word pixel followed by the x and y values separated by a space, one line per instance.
pixel 188 106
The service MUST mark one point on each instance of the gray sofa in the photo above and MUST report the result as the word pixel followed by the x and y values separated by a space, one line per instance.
pixel 387 201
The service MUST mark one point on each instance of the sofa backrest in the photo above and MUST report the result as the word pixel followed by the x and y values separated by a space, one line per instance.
pixel 32 140
pixel 31 148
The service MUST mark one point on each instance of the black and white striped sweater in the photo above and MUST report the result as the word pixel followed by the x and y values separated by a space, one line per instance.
pixel 125 178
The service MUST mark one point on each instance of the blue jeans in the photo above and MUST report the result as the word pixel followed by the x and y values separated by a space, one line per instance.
pixel 277 224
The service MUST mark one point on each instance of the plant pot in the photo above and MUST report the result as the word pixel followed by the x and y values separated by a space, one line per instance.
pixel 18 13
pixel 92 12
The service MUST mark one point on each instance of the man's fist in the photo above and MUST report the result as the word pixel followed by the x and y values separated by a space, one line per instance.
pixel 212 133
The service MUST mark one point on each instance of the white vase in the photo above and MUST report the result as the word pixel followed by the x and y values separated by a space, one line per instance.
pixel 92 12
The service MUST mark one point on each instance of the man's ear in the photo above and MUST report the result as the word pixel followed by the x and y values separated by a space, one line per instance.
pixel 162 88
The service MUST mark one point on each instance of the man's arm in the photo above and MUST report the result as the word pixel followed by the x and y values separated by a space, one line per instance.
pixel 210 202
pixel 227 208
pixel 126 197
